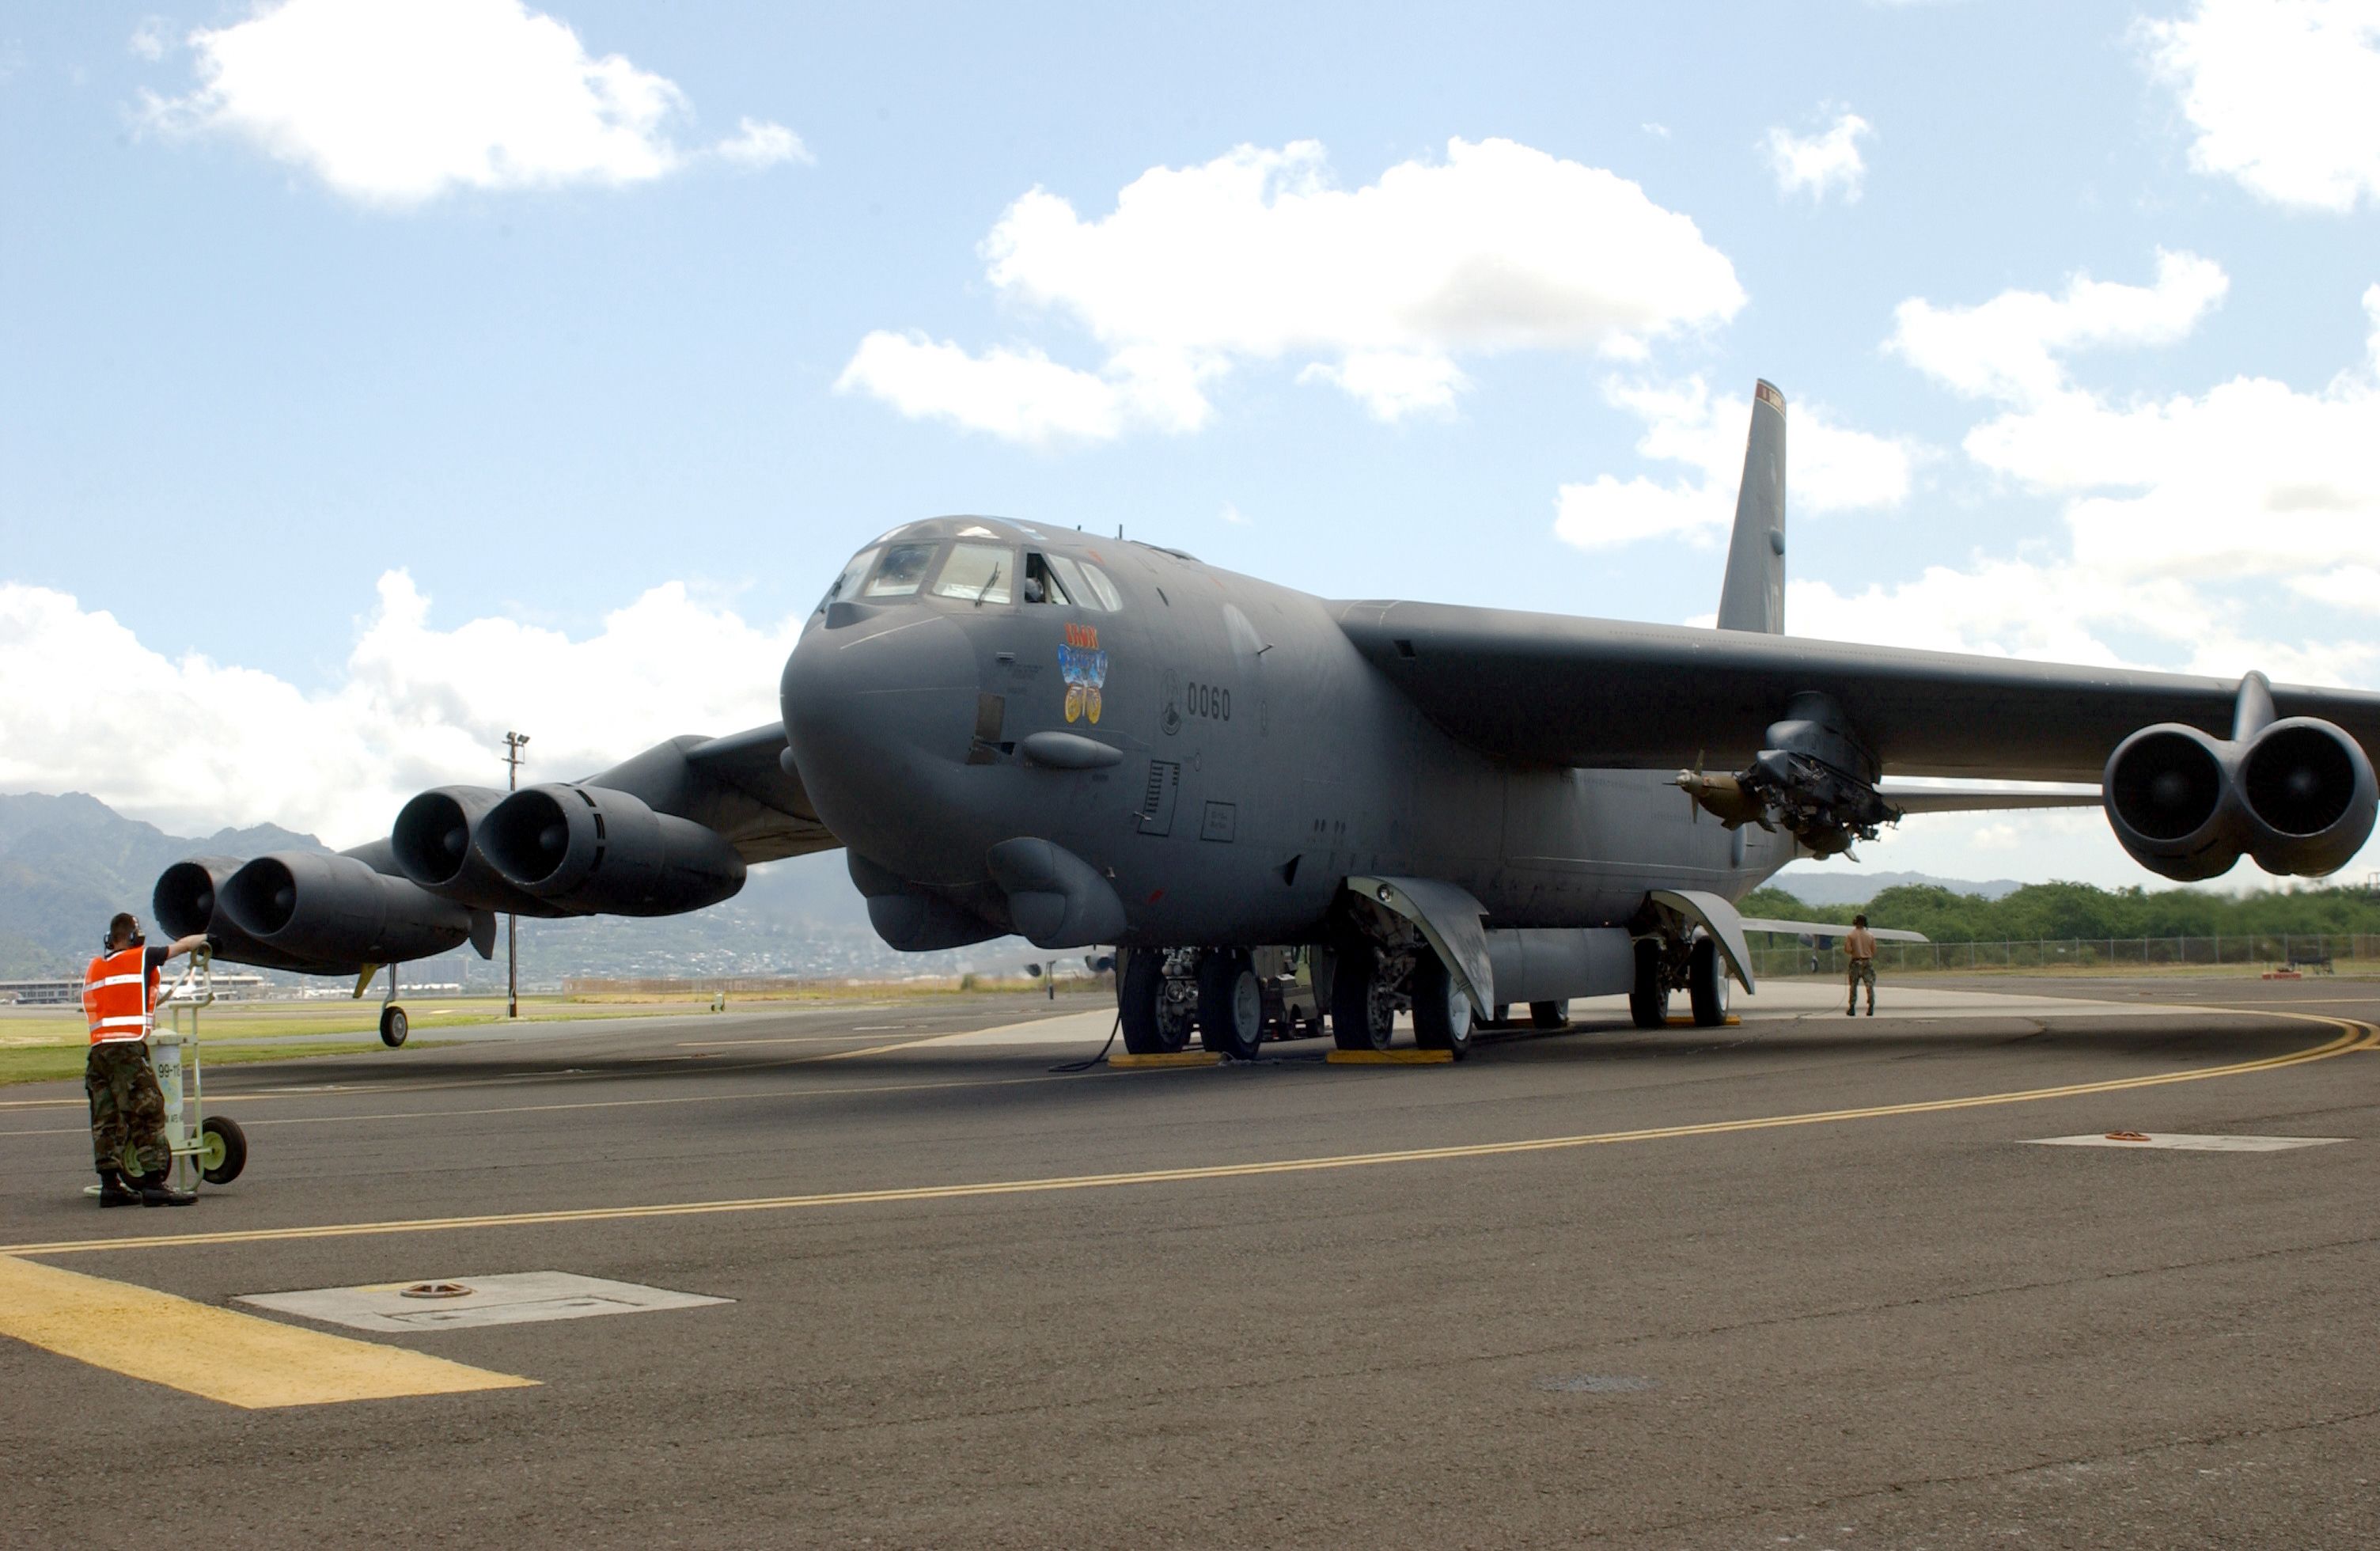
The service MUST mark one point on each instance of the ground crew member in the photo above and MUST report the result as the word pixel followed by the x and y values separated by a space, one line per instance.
pixel 1859 951
pixel 119 997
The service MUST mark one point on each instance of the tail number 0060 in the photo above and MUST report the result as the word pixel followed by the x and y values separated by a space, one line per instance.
pixel 1208 700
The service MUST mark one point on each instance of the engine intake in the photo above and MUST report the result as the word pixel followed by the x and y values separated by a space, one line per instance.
pixel 434 843
pixel 2297 794
pixel 188 901
pixel 337 912
pixel 589 849
pixel 2308 788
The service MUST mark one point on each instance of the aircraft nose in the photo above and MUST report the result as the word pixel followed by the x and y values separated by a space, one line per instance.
pixel 880 714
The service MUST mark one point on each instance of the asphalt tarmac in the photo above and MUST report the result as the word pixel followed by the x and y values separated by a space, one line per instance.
pixel 1804 1281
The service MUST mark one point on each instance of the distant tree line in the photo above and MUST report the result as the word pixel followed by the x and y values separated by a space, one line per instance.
pixel 2082 910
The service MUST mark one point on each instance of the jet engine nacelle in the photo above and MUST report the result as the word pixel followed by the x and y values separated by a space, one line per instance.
pixel 592 849
pixel 336 911
pixel 188 901
pixel 434 843
pixel 2299 796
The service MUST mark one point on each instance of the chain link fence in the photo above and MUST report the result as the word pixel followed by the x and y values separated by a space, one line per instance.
pixel 2312 952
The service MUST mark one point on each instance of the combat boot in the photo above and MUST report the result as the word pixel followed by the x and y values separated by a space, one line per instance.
pixel 113 1192
pixel 163 1194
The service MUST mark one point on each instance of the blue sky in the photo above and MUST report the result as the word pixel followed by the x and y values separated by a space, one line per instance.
pixel 303 297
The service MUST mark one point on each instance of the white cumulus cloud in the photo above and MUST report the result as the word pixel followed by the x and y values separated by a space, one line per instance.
pixel 2280 93
pixel 1259 255
pixel 1828 469
pixel 2012 346
pixel 206 744
pixel 2184 515
pixel 1827 162
pixel 393 103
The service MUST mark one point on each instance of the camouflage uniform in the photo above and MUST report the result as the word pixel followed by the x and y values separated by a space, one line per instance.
pixel 126 1105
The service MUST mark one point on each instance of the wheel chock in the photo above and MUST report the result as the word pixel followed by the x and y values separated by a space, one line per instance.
pixel 1167 1058
pixel 1388 1058
pixel 1730 1021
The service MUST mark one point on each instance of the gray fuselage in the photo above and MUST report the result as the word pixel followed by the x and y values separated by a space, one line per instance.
pixel 1262 759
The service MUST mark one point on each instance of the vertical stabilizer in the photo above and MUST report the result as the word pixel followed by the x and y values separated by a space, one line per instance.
pixel 1752 597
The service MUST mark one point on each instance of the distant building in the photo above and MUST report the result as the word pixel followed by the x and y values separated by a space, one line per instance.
pixel 69 993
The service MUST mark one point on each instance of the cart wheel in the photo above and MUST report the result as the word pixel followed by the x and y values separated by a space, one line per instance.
pixel 392 1026
pixel 129 1166
pixel 223 1150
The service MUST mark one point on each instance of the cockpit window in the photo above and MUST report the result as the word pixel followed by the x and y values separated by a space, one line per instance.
pixel 1102 588
pixel 976 573
pixel 846 583
pixel 903 573
pixel 1041 583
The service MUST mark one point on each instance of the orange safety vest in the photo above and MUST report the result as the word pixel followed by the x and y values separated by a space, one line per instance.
pixel 118 995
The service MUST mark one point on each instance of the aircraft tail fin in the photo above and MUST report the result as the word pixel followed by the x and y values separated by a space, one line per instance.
pixel 1753 597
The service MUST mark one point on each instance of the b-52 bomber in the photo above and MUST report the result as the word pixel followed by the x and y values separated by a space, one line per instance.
pixel 1014 728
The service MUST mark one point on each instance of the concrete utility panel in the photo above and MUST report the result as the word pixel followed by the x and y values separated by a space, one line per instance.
pixel 2182 1142
pixel 522 1298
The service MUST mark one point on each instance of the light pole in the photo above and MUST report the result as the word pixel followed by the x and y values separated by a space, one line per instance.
pixel 514 744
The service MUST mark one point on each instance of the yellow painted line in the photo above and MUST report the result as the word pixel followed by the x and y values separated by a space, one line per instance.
pixel 1127 1060
pixel 1388 1058
pixel 2353 1036
pixel 215 1354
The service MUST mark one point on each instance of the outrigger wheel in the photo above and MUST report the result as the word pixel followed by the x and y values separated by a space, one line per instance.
pixel 223 1150
pixel 393 1026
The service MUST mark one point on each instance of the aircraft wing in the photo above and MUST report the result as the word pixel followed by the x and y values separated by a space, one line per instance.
pixel 760 803
pixel 1825 929
pixel 1560 690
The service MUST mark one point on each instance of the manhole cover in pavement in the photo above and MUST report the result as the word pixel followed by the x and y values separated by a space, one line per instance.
pixel 522 1298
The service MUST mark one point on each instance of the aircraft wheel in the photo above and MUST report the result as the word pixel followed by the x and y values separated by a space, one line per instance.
pixel 1363 1006
pixel 1441 1009
pixel 1549 1014
pixel 1150 1026
pixel 1231 1005
pixel 1648 999
pixel 223 1150
pixel 393 1026
pixel 1707 984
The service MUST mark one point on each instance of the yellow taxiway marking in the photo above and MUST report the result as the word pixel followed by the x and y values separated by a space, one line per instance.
pixel 2353 1036
pixel 215 1354
pixel 1388 1058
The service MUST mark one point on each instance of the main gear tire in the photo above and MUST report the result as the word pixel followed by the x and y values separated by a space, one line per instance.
pixel 1648 999
pixel 1363 1007
pixel 1706 983
pixel 1441 1009
pixel 1151 1027
pixel 1231 1005
pixel 223 1150
pixel 1549 1014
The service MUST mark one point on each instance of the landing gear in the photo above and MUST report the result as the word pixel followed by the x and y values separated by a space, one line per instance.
pixel 1156 1006
pixel 1230 1004
pixel 1648 999
pixel 1549 1014
pixel 393 1025
pixel 1706 983
pixel 1363 999
pixel 1441 1009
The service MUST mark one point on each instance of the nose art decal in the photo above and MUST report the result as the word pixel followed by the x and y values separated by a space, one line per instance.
pixel 1085 668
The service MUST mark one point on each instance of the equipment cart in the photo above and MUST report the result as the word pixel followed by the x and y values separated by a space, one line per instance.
pixel 209 1147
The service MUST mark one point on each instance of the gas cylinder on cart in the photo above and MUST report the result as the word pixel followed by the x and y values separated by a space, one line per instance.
pixel 165 1055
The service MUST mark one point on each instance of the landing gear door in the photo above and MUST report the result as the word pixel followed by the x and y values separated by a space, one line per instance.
pixel 1718 916
pixel 1448 920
